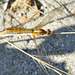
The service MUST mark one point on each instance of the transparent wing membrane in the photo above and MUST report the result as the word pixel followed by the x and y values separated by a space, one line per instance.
pixel 50 16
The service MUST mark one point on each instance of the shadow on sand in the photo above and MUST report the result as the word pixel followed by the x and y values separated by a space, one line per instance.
pixel 13 61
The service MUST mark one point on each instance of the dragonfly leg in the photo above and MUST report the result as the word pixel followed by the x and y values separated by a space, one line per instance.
pixel 38 28
pixel 33 34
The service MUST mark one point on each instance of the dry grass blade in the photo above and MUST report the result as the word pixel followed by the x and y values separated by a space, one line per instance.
pixel 4 32
pixel 45 70
pixel 28 19
pixel 65 33
pixel 39 61
pixel 16 2
pixel 38 65
pixel 68 11
pixel 46 19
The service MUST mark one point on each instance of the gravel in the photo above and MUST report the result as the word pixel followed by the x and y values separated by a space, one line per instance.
pixel 59 48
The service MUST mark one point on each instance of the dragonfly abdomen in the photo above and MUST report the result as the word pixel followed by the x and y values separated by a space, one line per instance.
pixel 19 30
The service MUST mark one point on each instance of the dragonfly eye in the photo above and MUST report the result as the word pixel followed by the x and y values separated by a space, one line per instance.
pixel 49 32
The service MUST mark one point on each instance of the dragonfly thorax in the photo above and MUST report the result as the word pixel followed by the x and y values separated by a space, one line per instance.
pixel 39 31
pixel 42 32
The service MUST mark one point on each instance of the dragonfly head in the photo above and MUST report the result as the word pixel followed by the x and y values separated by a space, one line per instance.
pixel 49 32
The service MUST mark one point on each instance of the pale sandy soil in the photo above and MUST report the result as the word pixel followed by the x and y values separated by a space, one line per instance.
pixel 59 48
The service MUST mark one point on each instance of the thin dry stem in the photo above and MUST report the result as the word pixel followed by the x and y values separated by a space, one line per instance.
pixel 38 60
pixel 33 14
pixel 4 32
pixel 45 53
pixel 65 33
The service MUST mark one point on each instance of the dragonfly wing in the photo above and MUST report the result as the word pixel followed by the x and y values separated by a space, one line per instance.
pixel 49 17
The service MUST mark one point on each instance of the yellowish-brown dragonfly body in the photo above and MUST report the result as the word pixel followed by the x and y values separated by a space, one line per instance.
pixel 36 31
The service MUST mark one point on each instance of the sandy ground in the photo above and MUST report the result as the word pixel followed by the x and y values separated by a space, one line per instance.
pixel 59 48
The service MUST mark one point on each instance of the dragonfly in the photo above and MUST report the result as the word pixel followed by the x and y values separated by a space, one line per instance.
pixel 38 29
